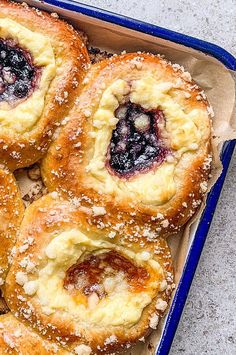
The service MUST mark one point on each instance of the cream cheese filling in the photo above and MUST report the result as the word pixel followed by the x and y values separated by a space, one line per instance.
pixel 119 307
pixel 24 116
pixel 183 129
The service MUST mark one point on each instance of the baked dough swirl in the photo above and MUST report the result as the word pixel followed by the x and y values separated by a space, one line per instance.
pixel 16 338
pixel 84 290
pixel 137 144
pixel 42 62
pixel 11 214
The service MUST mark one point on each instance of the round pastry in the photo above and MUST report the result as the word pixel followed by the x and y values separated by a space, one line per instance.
pixel 42 61
pixel 11 213
pixel 16 338
pixel 82 288
pixel 137 145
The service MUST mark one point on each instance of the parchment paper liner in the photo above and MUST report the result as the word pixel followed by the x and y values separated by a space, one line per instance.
pixel 210 74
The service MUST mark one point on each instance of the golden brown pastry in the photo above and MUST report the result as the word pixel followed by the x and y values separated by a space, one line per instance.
pixel 137 146
pixel 87 291
pixel 17 338
pixel 11 213
pixel 42 62
pixel 3 306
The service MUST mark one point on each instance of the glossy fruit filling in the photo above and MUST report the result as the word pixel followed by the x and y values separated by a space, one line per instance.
pixel 136 143
pixel 89 275
pixel 18 75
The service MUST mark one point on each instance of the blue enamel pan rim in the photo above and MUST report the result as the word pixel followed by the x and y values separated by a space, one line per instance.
pixel 194 254
pixel 201 233
pixel 206 47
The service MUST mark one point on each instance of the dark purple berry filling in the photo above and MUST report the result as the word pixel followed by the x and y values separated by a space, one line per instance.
pixel 18 75
pixel 136 143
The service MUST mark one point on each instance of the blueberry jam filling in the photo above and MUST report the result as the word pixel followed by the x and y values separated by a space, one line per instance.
pixel 18 75
pixel 136 143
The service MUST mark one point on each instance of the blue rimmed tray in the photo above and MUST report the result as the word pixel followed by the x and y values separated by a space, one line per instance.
pixel 200 234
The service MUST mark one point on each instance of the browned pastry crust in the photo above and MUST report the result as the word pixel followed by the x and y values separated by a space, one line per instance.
pixel 66 165
pixel 11 213
pixel 22 149
pixel 45 222
pixel 16 338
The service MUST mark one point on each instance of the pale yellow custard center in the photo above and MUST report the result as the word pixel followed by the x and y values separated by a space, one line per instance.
pixel 23 116
pixel 119 307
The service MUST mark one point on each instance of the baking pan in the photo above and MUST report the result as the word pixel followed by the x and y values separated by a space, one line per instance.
pixel 203 225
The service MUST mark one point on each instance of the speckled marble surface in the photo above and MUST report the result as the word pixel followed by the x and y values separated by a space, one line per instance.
pixel 208 324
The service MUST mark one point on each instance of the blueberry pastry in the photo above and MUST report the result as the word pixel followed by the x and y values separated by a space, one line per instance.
pixel 136 148
pixel 42 61
pixel 76 286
